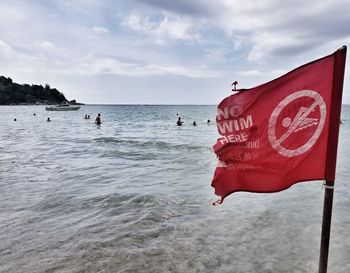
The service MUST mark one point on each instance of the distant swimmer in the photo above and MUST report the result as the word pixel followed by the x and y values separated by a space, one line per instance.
pixel 194 123
pixel 98 119
pixel 15 119
pixel 85 117
pixel 208 121
pixel 34 114
pixel 88 116
pixel 179 122
pixel 48 120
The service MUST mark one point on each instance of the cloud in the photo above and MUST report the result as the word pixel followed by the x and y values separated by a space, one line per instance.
pixel 267 43
pixel 100 30
pixel 272 28
pixel 187 7
pixel 168 27
pixel 15 62
pixel 10 57
pixel 46 45
pixel 10 14
pixel 190 72
pixel 252 72
pixel 6 52
pixel 93 65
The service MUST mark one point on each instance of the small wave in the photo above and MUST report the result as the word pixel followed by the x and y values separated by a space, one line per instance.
pixel 149 144
pixel 55 202
pixel 130 209
pixel 116 203
pixel 115 199
pixel 107 140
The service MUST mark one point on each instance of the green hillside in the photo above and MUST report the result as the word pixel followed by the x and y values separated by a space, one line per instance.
pixel 13 93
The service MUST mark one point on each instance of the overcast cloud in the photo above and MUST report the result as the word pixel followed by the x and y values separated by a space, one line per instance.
pixel 164 52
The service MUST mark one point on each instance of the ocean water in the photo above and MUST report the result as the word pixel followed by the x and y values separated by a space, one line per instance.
pixel 134 195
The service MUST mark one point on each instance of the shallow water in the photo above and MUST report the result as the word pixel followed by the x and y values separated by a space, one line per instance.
pixel 134 195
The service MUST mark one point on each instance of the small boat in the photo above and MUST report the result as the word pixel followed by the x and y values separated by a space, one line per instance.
pixel 65 106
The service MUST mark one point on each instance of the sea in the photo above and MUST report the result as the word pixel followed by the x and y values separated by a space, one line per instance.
pixel 134 195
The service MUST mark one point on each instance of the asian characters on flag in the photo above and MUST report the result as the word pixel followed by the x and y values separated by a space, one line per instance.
pixel 275 135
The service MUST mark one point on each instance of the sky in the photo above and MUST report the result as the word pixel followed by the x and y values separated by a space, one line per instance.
pixel 165 51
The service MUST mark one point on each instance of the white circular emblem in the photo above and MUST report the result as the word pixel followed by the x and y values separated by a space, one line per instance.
pixel 300 122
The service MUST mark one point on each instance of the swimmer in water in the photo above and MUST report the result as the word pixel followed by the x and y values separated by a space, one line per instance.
pixel 194 123
pixel 98 119
pixel 179 122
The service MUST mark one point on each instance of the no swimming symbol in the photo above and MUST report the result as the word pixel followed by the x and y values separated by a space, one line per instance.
pixel 300 122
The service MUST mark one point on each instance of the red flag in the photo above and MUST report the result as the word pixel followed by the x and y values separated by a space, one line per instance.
pixel 281 132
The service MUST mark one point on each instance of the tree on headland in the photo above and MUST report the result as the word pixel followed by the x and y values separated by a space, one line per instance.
pixel 14 93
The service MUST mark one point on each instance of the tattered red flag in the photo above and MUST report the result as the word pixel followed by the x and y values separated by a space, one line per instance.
pixel 281 132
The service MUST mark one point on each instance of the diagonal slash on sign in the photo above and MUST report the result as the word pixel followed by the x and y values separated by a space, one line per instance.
pixel 296 122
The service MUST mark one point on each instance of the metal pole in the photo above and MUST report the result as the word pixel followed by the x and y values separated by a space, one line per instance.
pixel 331 158
pixel 326 226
